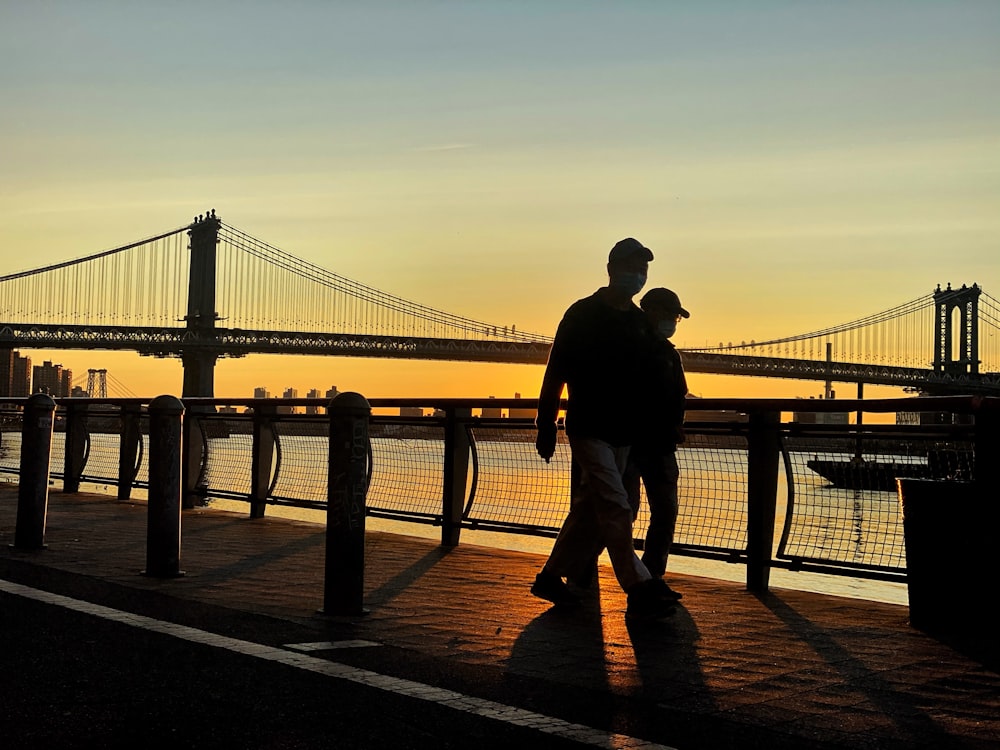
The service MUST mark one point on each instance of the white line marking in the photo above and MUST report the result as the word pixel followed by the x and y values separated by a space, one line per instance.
pixel 448 698
pixel 329 645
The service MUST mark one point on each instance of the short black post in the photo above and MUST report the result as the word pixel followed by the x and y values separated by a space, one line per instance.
pixel 75 455
pixel 163 526
pixel 194 458
pixel 33 485
pixel 130 441
pixel 763 452
pixel 347 488
pixel 263 456
pixel 456 474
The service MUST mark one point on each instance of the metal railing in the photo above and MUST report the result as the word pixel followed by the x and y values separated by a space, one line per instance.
pixel 754 489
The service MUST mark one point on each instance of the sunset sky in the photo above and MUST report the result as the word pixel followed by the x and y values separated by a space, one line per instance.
pixel 793 165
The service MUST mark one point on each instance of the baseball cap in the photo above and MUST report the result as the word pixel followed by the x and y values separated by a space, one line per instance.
pixel 663 299
pixel 629 249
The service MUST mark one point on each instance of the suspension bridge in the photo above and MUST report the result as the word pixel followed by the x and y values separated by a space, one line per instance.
pixel 208 290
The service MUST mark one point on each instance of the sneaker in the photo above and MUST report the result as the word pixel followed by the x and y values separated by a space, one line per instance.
pixel 551 588
pixel 645 602
pixel 666 592
pixel 585 578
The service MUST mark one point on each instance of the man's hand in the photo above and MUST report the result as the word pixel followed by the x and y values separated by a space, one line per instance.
pixel 545 443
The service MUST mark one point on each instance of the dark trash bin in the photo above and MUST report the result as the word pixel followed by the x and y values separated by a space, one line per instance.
pixel 949 529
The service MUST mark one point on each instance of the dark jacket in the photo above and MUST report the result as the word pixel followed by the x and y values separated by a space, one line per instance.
pixel 664 389
pixel 598 353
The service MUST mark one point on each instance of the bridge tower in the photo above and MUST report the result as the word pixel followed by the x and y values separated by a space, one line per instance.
pixel 966 302
pixel 97 383
pixel 199 365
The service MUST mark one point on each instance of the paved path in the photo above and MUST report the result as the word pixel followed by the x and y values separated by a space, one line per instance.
pixel 457 629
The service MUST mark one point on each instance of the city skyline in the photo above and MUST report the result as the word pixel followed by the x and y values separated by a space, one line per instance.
pixel 792 166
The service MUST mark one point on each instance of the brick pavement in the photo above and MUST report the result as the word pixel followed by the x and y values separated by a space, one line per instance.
pixel 816 670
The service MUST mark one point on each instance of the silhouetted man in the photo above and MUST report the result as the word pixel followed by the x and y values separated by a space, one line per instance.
pixel 600 349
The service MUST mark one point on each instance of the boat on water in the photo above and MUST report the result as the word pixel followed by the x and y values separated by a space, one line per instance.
pixel 859 473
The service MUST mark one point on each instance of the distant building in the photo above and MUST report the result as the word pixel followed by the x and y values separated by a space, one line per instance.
pixel 261 393
pixel 51 379
pixel 525 413
pixel 289 393
pixel 411 411
pixel 711 415
pixel 21 379
pixel 932 418
pixel 821 417
pixel 6 370
pixel 227 409
pixel 310 409
pixel 491 412
pixel 332 392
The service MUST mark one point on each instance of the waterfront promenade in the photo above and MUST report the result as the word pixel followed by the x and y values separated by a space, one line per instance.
pixel 453 634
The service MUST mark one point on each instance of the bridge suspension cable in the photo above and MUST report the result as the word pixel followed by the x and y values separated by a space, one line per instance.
pixel 989 332
pixel 140 284
pixel 899 335
pixel 285 292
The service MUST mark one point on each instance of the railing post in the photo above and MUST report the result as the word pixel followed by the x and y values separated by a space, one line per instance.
pixel 456 474
pixel 763 453
pixel 33 484
pixel 163 527
pixel 128 453
pixel 193 461
pixel 75 455
pixel 347 487
pixel 263 457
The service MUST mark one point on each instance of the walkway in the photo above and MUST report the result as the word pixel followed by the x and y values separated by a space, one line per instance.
pixel 731 669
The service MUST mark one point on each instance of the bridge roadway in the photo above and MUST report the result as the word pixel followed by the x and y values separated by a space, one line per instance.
pixel 227 342
pixel 454 652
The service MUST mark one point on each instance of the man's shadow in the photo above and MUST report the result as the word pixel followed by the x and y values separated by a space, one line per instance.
pixel 665 656
pixel 569 646
pixel 564 643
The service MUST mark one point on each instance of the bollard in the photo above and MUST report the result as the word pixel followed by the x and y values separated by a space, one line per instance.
pixel 347 486
pixel 163 524
pixel 33 485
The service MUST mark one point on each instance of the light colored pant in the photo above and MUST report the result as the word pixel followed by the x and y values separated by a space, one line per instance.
pixel 599 516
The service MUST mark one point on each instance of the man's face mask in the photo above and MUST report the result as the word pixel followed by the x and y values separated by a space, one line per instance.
pixel 667 328
pixel 630 282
